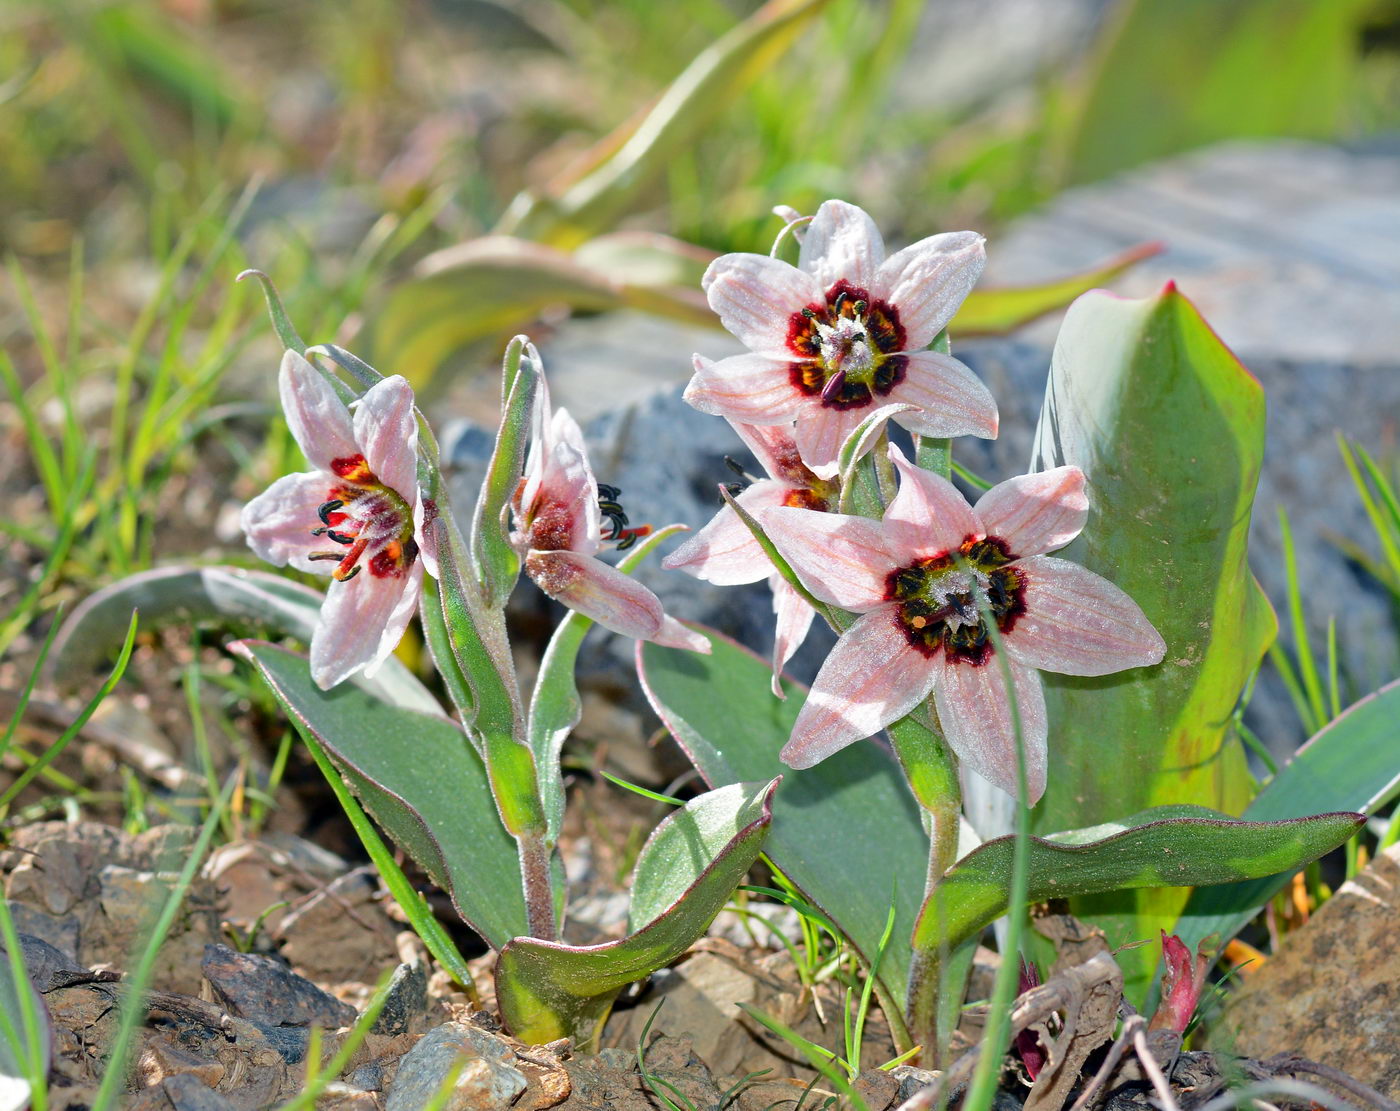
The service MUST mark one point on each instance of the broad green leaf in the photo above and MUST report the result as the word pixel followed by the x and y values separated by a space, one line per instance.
pixel 554 703
pixel 222 596
pixel 1168 427
pixel 685 874
pixel 1172 76
pixel 420 780
pixel 494 287
pixel 646 259
pixel 1169 846
pixel 1349 765
pixel 993 310
pixel 577 207
pixel 846 832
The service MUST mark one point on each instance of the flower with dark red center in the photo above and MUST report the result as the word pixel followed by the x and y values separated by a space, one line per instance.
pixel 357 517
pixel 725 551
pixel 559 531
pixel 843 333
pixel 925 579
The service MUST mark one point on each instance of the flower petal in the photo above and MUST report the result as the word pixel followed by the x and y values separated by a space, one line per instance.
pixel 598 591
pixel 570 482
pixel 775 449
pixel 871 678
pixel 1036 513
pixel 725 552
pixel 975 713
pixel 794 615
pixel 927 517
pixel 822 431
pixel 842 242
pixel 748 388
pixel 362 621
pixel 951 400
pixel 319 420
pixel 1079 623
pixel 675 635
pixel 755 297
pixel 278 522
pixel 387 431
pixel 840 559
pixel 929 280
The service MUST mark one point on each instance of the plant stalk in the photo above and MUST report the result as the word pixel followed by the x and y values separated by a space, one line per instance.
pixel 539 888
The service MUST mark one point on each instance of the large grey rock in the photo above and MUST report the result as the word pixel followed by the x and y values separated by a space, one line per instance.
pixel 486 1080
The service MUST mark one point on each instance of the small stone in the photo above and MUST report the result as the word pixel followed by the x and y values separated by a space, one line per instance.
pixel 60 931
pixel 163 1059
pixel 188 1093
pixel 912 1079
pixel 878 1088
pixel 267 992
pixel 345 1097
pixel 485 1081
pixel 407 998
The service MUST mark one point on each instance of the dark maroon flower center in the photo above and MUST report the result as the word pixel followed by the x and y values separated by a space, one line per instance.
pixel 937 598
pixel 847 348
pixel 363 515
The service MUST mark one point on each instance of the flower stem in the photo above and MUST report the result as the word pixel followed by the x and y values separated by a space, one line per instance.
pixel 539 890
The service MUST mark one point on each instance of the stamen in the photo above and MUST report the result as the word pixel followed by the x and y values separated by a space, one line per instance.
pixel 339 537
pixel 834 385
pixel 738 468
pixel 316 557
pixel 861 306
pixel 353 572
pixel 326 509
pixel 810 313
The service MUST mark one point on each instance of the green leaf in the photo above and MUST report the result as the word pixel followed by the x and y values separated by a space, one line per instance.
pixel 420 780
pixel 685 874
pixel 628 160
pixel 1169 77
pixel 990 310
pixel 497 562
pixel 1168 428
pixel 1168 846
pixel 554 703
pixel 26 1034
pixel 1349 765
pixel 846 832
pixel 208 596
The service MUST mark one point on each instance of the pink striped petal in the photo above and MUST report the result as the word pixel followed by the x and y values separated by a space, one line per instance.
pixel 927 517
pixel 775 449
pixel 822 431
pixel 362 621
pixel 725 552
pixel 842 242
pixel 598 591
pixel 950 399
pixel 794 616
pixel 1036 513
pixel 675 635
pixel 747 388
pixel 928 281
pixel 871 678
pixel 571 483
pixel 319 420
pixel 975 712
pixel 840 559
pixel 278 522
pixel 755 297
pixel 386 429
pixel 1078 623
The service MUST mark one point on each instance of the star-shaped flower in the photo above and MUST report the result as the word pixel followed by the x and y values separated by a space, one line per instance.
pixel 916 577
pixel 843 333
pixel 357 516
pixel 725 551
pixel 559 532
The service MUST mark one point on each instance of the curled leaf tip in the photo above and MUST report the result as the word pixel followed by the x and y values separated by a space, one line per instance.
pixel 281 322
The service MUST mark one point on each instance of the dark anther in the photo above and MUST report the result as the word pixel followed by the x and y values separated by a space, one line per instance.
pixel 734 488
pixel 353 572
pixel 859 337
pixel 840 300
pixel 339 537
pixel 861 306
pixel 810 313
pixel 327 508
pixel 317 556
pixel 738 468
pixel 834 385
pixel 612 493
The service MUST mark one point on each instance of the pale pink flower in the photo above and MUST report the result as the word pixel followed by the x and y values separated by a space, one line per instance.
pixel 357 516
pixel 914 577
pixel 725 551
pixel 843 333
pixel 559 531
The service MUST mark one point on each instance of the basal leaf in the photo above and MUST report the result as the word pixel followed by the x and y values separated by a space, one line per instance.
pixel 1177 846
pixel 421 780
pixel 686 873
pixel 846 832
pixel 1168 427
pixel 26 1032
pixel 1351 764
pixel 184 595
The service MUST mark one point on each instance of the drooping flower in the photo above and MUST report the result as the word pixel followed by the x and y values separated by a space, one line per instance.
pixel 725 551
pixel 916 577
pixel 843 333
pixel 357 516
pixel 559 530
pixel 1182 982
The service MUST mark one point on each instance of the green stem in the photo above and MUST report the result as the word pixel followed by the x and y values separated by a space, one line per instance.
pixel 539 886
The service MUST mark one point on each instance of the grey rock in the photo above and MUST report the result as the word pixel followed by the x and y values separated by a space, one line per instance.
pixel 61 931
pixel 188 1093
pixel 269 993
pixel 486 1080
pixel 912 1079
pixel 407 997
